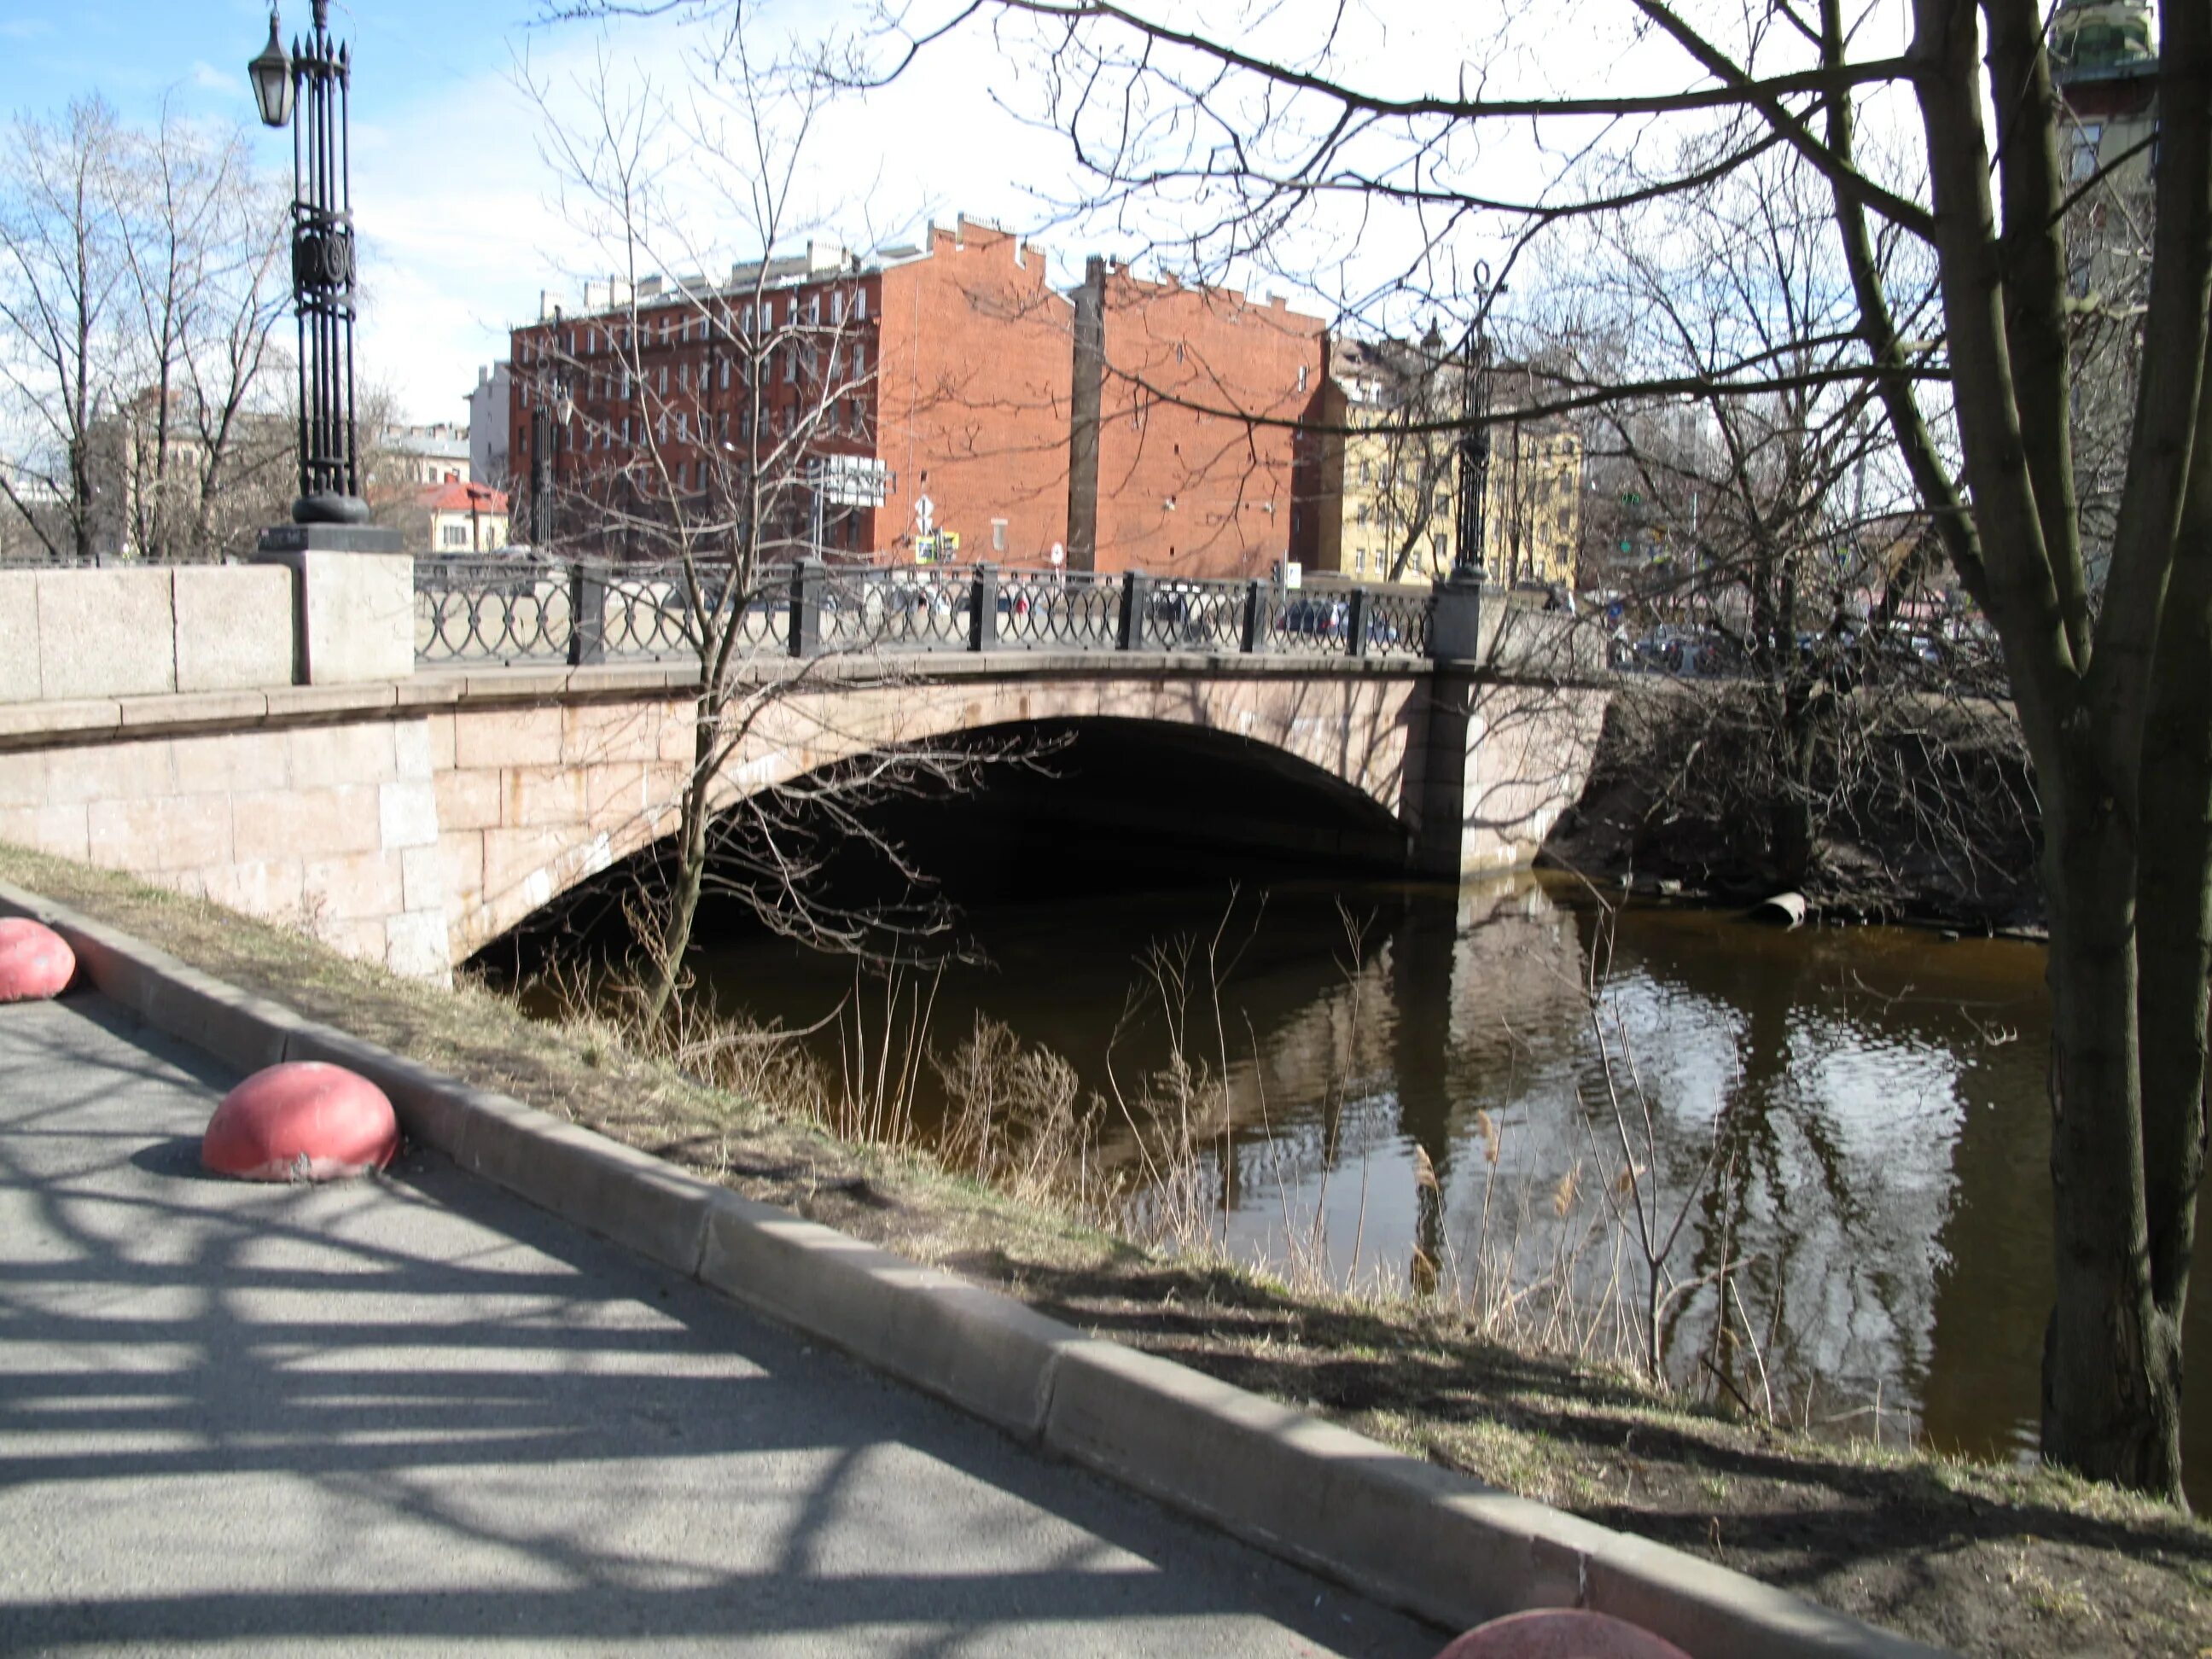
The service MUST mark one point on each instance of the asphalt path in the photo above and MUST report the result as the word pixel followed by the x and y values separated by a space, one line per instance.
pixel 413 1414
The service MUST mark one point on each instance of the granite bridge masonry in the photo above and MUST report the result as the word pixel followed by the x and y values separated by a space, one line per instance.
pixel 410 760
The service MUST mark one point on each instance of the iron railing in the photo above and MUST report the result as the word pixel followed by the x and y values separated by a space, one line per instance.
pixel 516 610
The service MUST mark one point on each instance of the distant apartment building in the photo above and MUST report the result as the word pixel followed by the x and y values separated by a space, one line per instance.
pixel 437 454
pixel 934 378
pixel 489 405
pixel 932 387
pixel 170 478
pixel 1388 473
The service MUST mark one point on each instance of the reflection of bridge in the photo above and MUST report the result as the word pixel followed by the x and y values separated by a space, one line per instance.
pixel 410 813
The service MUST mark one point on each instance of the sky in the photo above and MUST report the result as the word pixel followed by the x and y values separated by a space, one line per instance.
pixel 460 212
pixel 457 207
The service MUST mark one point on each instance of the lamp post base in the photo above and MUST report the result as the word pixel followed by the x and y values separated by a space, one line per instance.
pixel 328 506
pixel 282 538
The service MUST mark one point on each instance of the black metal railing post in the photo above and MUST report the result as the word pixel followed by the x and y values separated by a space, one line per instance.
pixel 1255 614
pixel 1133 595
pixel 983 609
pixel 587 615
pixel 1356 623
pixel 808 579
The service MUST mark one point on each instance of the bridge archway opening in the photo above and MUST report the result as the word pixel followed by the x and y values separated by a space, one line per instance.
pixel 1056 809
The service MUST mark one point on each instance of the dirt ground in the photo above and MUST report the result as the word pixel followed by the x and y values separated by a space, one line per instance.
pixel 1976 1558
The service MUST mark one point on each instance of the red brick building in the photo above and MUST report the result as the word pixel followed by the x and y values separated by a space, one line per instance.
pixel 949 368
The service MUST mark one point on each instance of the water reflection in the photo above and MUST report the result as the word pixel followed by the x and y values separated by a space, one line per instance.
pixel 1415 1083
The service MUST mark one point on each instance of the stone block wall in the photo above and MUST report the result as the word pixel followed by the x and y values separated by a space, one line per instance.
pixel 331 827
pixel 413 821
pixel 143 631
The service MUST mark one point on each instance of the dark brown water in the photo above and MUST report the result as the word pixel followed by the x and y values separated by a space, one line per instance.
pixel 1859 1112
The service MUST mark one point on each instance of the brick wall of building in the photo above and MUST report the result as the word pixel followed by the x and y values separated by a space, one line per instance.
pixel 973 398
pixel 1186 487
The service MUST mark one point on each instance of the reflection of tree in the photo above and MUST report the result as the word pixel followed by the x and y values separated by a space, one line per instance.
pixel 1841 1176
pixel 1422 961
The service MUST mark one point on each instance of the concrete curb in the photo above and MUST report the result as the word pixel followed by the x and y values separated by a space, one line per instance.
pixel 1389 1525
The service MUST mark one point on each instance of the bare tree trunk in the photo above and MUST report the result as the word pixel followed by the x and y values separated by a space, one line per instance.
pixel 2110 1403
pixel 681 914
pixel 2174 901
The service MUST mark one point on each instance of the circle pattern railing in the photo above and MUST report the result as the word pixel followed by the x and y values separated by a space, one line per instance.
pixel 508 611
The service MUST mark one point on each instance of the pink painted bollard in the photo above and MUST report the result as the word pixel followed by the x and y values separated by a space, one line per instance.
pixel 1560 1633
pixel 35 962
pixel 302 1120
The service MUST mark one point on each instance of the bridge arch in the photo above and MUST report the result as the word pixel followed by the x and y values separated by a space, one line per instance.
pixel 542 797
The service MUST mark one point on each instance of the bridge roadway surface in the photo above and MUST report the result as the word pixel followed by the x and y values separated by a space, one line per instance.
pixel 416 1414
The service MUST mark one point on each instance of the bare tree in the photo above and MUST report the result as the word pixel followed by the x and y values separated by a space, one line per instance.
pixel 1254 144
pixel 141 272
pixel 708 438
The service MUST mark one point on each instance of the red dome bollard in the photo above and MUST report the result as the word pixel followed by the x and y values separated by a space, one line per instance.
pixel 35 962
pixel 302 1120
pixel 1560 1633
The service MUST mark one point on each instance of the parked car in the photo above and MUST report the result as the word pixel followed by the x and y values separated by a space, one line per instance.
pixel 1313 617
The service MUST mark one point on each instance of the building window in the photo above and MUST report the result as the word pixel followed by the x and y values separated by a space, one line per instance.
pixel 454 535
pixel 2082 162
pixel 860 359
pixel 998 535
pixel 1359 563
pixel 1301 377
pixel 861 305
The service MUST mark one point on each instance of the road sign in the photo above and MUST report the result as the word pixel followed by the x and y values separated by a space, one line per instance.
pixel 1059 554
pixel 850 480
pixel 924 515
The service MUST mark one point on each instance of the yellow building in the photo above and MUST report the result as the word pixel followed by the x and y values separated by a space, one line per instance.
pixel 1397 501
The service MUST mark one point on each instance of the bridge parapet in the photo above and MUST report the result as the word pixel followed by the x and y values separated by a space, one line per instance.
pixel 508 612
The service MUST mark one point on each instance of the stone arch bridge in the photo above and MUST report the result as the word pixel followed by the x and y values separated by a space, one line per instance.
pixel 409 810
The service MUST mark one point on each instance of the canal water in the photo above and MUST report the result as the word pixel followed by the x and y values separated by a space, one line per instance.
pixel 1417 1091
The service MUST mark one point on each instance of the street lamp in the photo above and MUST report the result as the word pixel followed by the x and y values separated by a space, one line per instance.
pixel 550 411
pixel 1473 432
pixel 316 75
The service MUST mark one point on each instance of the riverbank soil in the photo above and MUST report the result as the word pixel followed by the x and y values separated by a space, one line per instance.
pixel 1976 1558
pixel 1914 807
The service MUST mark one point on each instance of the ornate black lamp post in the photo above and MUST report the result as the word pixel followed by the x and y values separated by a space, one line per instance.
pixel 551 405
pixel 316 76
pixel 1474 434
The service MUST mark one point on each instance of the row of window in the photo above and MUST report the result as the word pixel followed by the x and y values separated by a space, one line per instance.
pixel 675 327
pixel 846 361
pixel 683 426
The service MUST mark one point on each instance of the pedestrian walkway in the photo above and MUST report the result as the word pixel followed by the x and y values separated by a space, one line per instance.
pixel 414 1414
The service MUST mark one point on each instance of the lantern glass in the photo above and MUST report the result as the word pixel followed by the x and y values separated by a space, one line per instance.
pixel 271 75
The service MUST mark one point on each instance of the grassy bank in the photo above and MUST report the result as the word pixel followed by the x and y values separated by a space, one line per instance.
pixel 1974 1557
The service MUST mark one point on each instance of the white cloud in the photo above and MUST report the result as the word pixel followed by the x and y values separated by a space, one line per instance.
pixel 226 84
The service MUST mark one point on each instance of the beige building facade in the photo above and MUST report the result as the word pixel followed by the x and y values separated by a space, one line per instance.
pixel 1397 502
